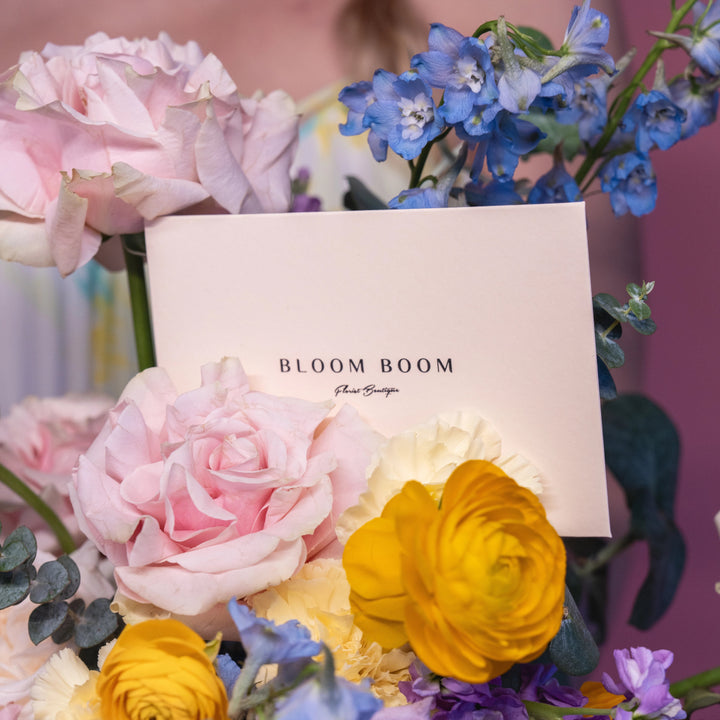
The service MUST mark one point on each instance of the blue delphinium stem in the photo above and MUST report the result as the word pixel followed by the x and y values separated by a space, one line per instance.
pixel 624 100
pixel 34 501
pixel 140 307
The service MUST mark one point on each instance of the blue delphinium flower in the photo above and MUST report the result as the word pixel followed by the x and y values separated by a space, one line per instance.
pixel 436 195
pixel 555 186
pixel 703 44
pixel 507 139
pixel 583 47
pixel 518 84
pixel 461 66
pixel 404 113
pixel 643 682
pixel 357 98
pixel 588 109
pixel 655 119
pixel 630 180
pixel 327 697
pixel 699 101
pixel 265 642
pixel 496 192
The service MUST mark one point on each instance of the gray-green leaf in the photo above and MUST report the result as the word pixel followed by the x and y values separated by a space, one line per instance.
pixel 97 624
pixel 20 547
pixel 46 619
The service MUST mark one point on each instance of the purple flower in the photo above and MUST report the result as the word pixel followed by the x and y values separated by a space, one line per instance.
pixel 404 113
pixel 643 682
pixel 462 67
pixel 630 180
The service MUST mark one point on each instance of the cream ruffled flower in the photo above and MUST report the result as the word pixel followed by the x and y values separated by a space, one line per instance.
pixel 428 453
pixel 65 689
pixel 318 597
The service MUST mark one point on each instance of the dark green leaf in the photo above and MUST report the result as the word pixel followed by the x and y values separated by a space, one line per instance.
pixel 20 547
pixel 608 391
pixel 66 631
pixel 609 351
pixel 46 619
pixel 555 134
pixel 97 624
pixel 633 290
pixel 573 649
pixel 52 579
pixel 644 327
pixel 15 585
pixel 640 309
pixel 538 37
pixel 358 197
pixel 73 574
pixel 610 305
pixel 642 451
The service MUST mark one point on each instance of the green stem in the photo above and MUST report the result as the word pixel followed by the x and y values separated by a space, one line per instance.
pixel 604 556
pixel 40 507
pixel 142 324
pixel 707 679
pixel 417 169
pixel 626 96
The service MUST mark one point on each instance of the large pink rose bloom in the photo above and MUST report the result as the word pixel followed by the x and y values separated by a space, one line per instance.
pixel 218 492
pixel 97 138
pixel 40 441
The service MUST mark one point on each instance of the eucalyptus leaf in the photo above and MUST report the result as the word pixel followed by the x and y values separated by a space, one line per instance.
pixel 15 585
pixel 20 547
pixel 639 308
pixel 73 576
pixel 52 579
pixel 359 197
pixel 46 619
pixel 608 391
pixel 609 351
pixel 573 650
pixel 644 327
pixel 97 624
pixel 66 631
pixel 642 450
pixel 610 305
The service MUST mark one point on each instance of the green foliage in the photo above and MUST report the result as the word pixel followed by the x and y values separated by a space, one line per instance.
pixel 610 315
pixel 642 451
pixel 557 135
pixel 573 650
pixel 50 588
pixel 358 197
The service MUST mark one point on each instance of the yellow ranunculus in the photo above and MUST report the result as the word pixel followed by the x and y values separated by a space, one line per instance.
pixel 158 669
pixel 475 585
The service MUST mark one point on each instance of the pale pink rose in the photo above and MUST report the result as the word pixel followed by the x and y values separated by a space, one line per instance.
pixel 40 441
pixel 97 138
pixel 20 660
pixel 217 492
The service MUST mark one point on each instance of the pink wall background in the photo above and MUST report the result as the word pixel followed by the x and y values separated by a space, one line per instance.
pixel 680 249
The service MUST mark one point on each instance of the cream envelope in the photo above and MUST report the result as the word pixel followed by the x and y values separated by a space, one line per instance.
pixel 403 314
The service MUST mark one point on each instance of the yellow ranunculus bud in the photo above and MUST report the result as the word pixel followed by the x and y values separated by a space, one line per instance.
pixel 158 669
pixel 475 585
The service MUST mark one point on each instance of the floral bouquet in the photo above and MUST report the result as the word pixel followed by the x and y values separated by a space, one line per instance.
pixel 228 553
